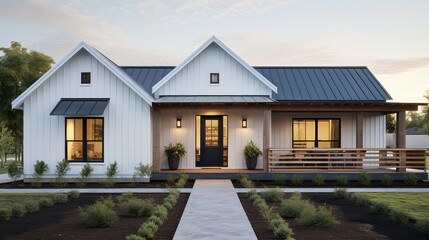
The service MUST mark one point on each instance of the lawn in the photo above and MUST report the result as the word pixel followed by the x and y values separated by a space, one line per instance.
pixel 414 204
pixel 427 162
pixel 8 198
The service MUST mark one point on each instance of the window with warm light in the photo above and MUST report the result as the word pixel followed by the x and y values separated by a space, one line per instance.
pixel 84 139
pixel 85 78
pixel 316 133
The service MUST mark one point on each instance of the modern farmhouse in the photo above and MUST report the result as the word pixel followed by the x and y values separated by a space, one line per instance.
pixel 305 119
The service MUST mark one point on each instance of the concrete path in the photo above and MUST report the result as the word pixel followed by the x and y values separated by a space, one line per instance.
pixel 214 211
pixel 4 178
pixel 329 190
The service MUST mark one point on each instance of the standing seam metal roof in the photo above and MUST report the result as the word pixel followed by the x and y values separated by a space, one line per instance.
pixel 296 83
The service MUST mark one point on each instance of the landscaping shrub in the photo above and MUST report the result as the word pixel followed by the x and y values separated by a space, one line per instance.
pixel 364 179
pixel 59 197
pixel 46 202
pixel 73 194
pixel 143 170
pixel 160 212
pixel 180 183
pixel 134 237
pixel 61 170
pixel 98 216
pixel 280 179
pixel 281 229
pixel 342 180
pixel 15 171
pixel 272 194
pixel 319 179
pixel 111 172
pixel 386 180
pixel 158 221
pixel 260 203
pixel 297 180
pixel 398 216
pixel 341 192
pixel 184 176
pixel 85 173
pixel 5 214
pixel 171 199
pixel 247 183
pixel 137 207
pixel 411 179
pixel 296 195
pixel 293 207
pixel 18 210
pixel 31 206
pixel 39 169
pixel 379 208
pixel 360 199
pixel 240 176
pixel 124 197
pixel 320 218
pixel 108 202
pixel 147 230
pixel 268 213
pixel 423 226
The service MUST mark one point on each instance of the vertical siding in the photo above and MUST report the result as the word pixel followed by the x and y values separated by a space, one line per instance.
pixel 374 130
pixel 194 79
pixel 126 119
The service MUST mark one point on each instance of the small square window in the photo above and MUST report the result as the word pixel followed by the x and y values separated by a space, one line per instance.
pixel 214 78
pixel 85 78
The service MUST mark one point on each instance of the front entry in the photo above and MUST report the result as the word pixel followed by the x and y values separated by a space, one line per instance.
pixel 211 140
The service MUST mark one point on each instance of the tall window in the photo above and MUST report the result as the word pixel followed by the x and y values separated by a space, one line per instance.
pixel 214 78
pixel 316 133
pixel 84 139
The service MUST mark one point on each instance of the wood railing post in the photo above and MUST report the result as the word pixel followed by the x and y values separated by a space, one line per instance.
pixel 266 138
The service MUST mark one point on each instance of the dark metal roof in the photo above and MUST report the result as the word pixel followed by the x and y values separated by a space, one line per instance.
pixel 215 99
pixel 352 84
pixel 80 106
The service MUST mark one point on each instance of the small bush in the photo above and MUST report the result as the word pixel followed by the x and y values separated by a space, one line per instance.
pixel 15 171
pixel 18 210
pixel 398 216
pixel 61 170
pixel 296 195
pixel 360 199
pixel 386 180
pixel 158 221
pixel 39 169
pixel 297 180
pixel 134 237
pixel 160 212
pixel 147 230
pixel 280 179
pixel 293 207
pixel 364 179
pixel 5 214
pixel 272 194
pixel 281 229
pixel 98 216
pixel 170 181
pixel 181 183
pixel 259 203
pixel 342 180
pixel 319 179
pixel 142 170
pixel 108 202
pixel 85 173
pixel 59 197
pixel 268 213
pixel 320 218
pixel 411 179
pixel 31 206
pixel 171 199
pixel 137 207
pixel 423 226
pixel 379 208
pixel 73 194
pixel 247 183
pixel 46 202
pixel 341 193
pixel 124 197
pixel 184 176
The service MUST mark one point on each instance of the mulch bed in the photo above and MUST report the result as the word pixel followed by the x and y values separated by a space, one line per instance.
pixel 355 222
pixel 151 184
pixel 63 222
pixel 331 184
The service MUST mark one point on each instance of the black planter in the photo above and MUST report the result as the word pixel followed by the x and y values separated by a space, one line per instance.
pixel 173 163
pixel 251 162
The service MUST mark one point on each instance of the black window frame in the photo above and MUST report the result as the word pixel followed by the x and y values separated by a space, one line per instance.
pixel 211 78
pixel 83 79
pixel 316 140
pixel 84 140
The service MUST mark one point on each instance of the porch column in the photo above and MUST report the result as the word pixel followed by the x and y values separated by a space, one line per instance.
pixel 359 130
pixel 400 138
pixel 267 138
pixel 156 138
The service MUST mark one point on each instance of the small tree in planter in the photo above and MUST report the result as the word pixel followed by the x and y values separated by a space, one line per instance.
pixel 62 168
pixel 174 152
pixel 251 153
pixel 85 173
pixel 111 172
pixel 15 171
pixel 141 171
pixel 39 169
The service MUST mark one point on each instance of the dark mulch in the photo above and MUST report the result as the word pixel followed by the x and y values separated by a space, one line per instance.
pixel 355 222
pixel 331 184
pixel 62 222
pixel 151 184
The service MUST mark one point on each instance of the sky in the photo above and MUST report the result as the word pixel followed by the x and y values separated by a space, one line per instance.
pixel 390 37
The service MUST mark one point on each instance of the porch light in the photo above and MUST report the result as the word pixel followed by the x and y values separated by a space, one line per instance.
pixel 244 123
pixel 178 123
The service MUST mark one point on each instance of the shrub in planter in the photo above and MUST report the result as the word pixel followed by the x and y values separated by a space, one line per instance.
pixel 386 180
pixel 39 169
pixel 379 208
pixel 46 202
pixel 134 237
pixel 174 153
pixel 281 229
pixel 259 203
pixel 319 179
pixel 280 179
pixel 15 171
pixel 341 193
pixel 293 207
pixel 158 221
pixel 181 183
pixel 411 179
pixel 5 214
pixel 360 199
pixel 111 172
pixel 297 180
pixel 137 207
pixel 124 197
pixel 320 218
pixel 108 202
pixel 268 213
pixel 364 179
pixel 59 197
pixel 161 212
pixel 251 153
pixel 296 195
pixel 147 230
pixel 18 210
pixel 142 170
pixel 73 194
pixel 398 216
pixel 31 206
pixel 98 216
pixel 85 173
pixel 423 226
pixel 61 170
pixel 342 180
pixel 272 194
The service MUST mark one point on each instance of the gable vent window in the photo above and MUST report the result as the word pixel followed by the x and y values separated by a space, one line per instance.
pixel 85 78
pixel 214 78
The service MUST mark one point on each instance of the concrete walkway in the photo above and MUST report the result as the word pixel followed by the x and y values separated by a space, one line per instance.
pixel 4 178
pixel 214 211
pixel 330 190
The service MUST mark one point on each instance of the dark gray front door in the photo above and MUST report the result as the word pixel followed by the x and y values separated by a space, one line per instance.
pixel 211 141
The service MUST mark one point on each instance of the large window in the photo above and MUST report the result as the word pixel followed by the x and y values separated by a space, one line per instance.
pixel 84 139
pixel 316 133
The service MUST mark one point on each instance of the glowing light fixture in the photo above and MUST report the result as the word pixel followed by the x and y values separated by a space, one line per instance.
pixel 178 123
pixel 244 123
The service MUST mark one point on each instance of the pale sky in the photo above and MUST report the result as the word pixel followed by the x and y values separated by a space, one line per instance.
pixel 390 37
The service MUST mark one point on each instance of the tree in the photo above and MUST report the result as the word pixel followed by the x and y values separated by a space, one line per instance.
pixel 6 141
pixel 420 120
pixel 18 70
pixel 390 123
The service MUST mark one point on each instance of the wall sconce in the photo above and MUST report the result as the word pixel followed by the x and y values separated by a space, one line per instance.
pixel 178 123
pixel 244 123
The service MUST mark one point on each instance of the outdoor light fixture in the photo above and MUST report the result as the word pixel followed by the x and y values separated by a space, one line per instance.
pixel 244 123
pixel 178 123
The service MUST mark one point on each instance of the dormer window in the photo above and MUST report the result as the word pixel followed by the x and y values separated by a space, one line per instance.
pixel 214 78
pixel 85 78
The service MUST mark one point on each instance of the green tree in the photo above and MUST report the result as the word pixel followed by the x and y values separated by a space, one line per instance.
pixel 390 123
pixel 420 119
pixel 6 141
pixel 18 70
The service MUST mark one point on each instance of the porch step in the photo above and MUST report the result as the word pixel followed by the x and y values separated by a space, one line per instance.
pixel 214 211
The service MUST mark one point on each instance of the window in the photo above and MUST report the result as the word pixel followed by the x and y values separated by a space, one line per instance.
pixel 316 133
pixel 84 139
pixel 214 78
pixel 85 78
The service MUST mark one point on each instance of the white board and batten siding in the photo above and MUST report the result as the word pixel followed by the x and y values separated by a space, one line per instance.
pixel 194 78
pixel 127 126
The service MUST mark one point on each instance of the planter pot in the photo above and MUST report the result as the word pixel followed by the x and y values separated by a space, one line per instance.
pixel 251 163
pixel 173 163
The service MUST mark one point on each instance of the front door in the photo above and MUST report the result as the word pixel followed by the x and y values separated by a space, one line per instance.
pixel 211 141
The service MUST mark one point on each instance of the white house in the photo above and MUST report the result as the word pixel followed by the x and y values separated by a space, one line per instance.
pixel 87 109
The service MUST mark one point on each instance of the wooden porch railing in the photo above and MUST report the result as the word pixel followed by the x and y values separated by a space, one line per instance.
pixel 337 159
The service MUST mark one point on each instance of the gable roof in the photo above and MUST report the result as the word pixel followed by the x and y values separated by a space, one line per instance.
pixel 215 40
pixel 351 84
pixel 17 103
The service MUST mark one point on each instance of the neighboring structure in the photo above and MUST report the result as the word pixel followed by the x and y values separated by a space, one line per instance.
pixel 87 109
pixel 415 138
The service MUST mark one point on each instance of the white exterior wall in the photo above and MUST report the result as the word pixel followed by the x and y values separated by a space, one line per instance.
pixel 374 130
pixel 194 78
pixel 127 126
pixel 237 136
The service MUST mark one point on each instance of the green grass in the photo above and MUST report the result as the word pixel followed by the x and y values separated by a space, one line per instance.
pixel 427 162
pixel 8 198
pixel 414 204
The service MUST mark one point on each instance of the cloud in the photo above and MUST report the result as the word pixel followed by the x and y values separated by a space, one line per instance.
pixel 397 66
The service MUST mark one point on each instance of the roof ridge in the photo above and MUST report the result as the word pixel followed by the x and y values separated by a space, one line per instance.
pixel 256 66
